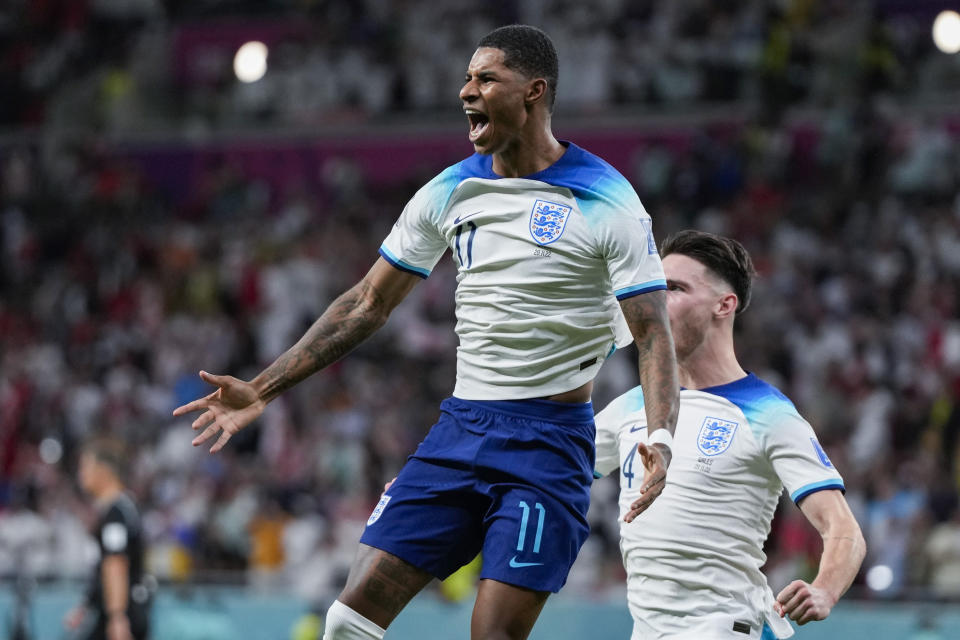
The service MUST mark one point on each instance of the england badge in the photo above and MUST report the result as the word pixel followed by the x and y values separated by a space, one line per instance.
pixel 548 220
pixel 715 436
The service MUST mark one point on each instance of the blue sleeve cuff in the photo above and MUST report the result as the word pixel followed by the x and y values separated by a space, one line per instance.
pixel 637 289
pixel 403 266
pixel 823 485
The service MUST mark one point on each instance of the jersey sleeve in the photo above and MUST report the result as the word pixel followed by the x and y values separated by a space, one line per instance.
pixel 797 457
pixel 416 243
pixel 114 534
pixel 608 450
pixel 624 233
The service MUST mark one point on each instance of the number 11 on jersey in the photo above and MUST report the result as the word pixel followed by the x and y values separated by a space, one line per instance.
pixel 473 232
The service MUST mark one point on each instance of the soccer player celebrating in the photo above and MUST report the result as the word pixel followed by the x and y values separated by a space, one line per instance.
pixel 556 267
pixel 693 564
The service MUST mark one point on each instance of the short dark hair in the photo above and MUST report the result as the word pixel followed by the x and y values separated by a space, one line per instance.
pixel 110 452
pixel 725 257
pixel 528 50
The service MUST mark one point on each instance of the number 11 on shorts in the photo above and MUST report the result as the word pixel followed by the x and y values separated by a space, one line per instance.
pixel 523 526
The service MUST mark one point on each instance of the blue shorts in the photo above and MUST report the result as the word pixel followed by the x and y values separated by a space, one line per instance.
pixel 510 479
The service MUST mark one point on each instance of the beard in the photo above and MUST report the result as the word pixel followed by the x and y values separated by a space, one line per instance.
pixel 688 335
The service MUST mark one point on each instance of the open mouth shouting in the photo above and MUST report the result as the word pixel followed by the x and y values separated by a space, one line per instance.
pixel 478 123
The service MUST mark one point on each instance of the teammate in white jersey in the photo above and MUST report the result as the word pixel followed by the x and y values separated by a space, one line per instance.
pixel 556 267
pixel 693 564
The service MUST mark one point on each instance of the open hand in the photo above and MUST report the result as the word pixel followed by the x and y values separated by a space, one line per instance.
pixel 234 405
pixel 656 459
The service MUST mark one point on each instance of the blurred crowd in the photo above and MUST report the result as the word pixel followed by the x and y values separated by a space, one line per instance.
pixel 115 292
pixel 140 65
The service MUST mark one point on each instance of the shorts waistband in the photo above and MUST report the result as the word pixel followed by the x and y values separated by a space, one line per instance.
pixel 546 410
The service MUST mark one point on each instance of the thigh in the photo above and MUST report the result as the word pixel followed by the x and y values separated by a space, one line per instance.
pixel 532 538
pixel 505 612
pixel 380 585
pixel 432 514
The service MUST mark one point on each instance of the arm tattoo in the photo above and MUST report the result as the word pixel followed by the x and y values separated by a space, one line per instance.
pixel 647 316
pixel 347 322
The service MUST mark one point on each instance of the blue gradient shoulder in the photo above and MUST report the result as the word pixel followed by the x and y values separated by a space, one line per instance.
pixel 624 404
pixel 595 183
pixel 763 404
pixel 438 190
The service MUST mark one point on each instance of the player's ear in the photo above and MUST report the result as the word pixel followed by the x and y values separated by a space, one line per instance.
pixel 726 306
pixel 536 91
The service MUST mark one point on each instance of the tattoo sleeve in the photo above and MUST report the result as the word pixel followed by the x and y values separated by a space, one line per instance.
pixel 347 322
pixel 646 315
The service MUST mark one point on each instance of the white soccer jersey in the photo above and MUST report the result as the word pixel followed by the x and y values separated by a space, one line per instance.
pixel 542 261
pixel 693 558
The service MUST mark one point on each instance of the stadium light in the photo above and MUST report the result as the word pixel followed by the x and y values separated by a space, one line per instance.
pixel 946 31
pixel 51 450
pixel 250 63
pixel 879 577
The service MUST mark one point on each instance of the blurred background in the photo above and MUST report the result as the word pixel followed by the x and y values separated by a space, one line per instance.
pixel 186 184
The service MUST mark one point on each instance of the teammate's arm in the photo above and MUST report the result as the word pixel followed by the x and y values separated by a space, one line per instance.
pixel 647 318
pixel 349 320
pixel 843 551
pixel 116 587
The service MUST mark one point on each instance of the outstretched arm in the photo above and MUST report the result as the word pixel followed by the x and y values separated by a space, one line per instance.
pixel 649 323
pixel 349 320
pixel 843 551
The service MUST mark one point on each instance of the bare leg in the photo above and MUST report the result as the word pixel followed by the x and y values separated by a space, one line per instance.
pixel 380 585
pixel 505 612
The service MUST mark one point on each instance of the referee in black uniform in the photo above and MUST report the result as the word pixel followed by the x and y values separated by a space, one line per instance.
pixel 117 604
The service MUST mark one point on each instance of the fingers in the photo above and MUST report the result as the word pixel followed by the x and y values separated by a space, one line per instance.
pixel 204 402
pixel 221 441
pixel 206 434
pixel 791 604
pixel 640 506
pixel 215 427
pixel 220 381
pixel 654 485
pixel 789 591
pixel 654 481
pixel 646 454
pixel 802 603
pixel 205 418
pixel 656 473
pixel 196 405
pixel 222 413
pixel 805 612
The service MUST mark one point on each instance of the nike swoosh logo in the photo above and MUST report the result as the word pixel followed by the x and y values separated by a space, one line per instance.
pixel 460 219
pixel 520 565
pixel 635 429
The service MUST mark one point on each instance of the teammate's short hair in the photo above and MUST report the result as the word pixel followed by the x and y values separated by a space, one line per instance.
pixel 109 452
pixel 724 256
pixel 528 50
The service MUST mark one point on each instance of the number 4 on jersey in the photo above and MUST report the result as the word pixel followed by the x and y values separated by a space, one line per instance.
pixel 628 466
